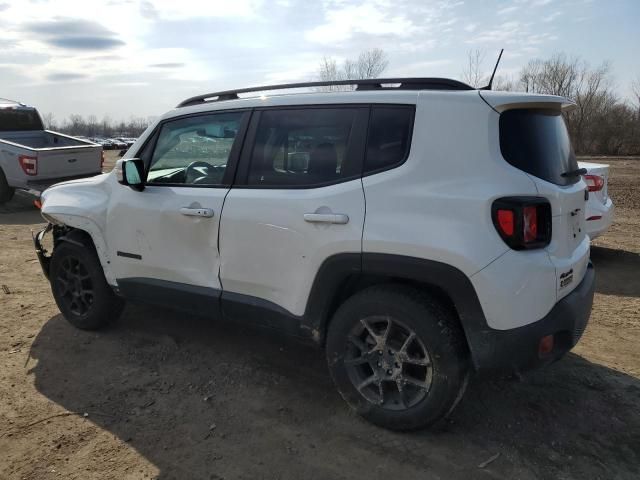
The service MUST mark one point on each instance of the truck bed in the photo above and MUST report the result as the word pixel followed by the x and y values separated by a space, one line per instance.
pixel 50 157
pixel 39 139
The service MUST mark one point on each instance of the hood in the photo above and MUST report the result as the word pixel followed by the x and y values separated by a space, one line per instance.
pixel 88 180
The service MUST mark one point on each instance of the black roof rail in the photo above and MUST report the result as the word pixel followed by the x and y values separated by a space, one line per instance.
pixel 368 84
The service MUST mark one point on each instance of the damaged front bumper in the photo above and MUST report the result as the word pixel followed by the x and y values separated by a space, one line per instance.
pixel 41 252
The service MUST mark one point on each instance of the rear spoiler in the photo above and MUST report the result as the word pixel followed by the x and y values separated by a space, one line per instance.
pixel 503 101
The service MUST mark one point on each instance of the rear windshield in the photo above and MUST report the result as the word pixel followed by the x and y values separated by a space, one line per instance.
pixel 537 142
pixel 19 119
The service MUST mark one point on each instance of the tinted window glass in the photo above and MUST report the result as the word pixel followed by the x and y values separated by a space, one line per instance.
pixel 194 150
pixel 389 137
pixel 302 147
pixel 537 142
pixel 19 119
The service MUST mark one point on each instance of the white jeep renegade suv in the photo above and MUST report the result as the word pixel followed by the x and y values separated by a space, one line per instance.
pixel 419 231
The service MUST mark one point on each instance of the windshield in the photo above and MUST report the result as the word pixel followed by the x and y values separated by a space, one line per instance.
pixel 537 142
pixel 14 119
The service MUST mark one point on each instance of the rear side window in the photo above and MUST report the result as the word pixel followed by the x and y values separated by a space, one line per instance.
pixel 537 142
pixel 302 147
pixel 389 137
pixel 19 119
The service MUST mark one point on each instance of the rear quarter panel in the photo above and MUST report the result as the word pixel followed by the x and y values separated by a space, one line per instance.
pixel 9 154
pixel 437 205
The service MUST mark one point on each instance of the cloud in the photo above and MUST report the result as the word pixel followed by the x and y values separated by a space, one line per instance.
pixel 552 17
pixel 167 65
pixel 186 9
pixel 507 10
pixel 65 76
pixel 147 10
pixel 68 26
pixel 74 34
pixel 3 7
pixel 85 43
pixel 343 23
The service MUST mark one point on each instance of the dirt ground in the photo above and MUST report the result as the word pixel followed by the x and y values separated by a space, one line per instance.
pixel 164 395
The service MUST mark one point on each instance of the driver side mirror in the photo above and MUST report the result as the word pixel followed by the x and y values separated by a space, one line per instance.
pixel 130 172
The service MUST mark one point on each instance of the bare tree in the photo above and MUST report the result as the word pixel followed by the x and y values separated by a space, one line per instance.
pixel 635 88
pixel 92 126
pixel 529 76
pixel 573 78
pixel 473 74
pixel 49 120
pixel 369 64
pixel 503 83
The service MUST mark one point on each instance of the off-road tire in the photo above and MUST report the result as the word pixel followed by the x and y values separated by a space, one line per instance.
pixel 6 192
pixel 76 259
pixel 438 331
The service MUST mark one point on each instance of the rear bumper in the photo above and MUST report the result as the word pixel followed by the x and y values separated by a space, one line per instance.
pixel 36 187
pixel 517 349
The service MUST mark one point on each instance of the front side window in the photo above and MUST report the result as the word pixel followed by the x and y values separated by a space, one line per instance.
pixel 194 150
pixel 302 147
pixel 389 137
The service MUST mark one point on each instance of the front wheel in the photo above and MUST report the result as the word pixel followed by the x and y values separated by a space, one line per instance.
pixel 397 356
pixel 79 288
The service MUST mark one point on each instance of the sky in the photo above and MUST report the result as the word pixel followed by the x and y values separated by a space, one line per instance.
pixel 124 58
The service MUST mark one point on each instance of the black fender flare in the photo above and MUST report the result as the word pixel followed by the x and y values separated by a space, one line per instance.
pixel 455 284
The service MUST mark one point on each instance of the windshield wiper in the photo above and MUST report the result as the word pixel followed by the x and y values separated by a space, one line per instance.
pixel 574 173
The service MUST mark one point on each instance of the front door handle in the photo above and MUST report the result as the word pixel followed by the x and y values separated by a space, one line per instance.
pixel 339 218
pixel 197 212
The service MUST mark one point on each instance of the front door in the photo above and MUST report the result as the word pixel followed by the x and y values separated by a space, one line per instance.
pixel 164 240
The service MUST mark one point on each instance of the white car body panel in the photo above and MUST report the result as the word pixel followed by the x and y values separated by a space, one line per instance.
pixel 174 247
pixel 61 204
pixel 600 209
pixel 268 249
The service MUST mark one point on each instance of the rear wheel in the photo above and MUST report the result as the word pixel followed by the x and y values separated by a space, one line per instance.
pixel 6 192
pixel 397 357
pixel 79 288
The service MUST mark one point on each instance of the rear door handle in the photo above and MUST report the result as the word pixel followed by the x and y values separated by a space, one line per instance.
pixel 339 218
pixel 197 212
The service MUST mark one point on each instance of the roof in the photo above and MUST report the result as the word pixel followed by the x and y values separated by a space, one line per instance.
pixel 6 103
pixel 368 84
pixel 402 97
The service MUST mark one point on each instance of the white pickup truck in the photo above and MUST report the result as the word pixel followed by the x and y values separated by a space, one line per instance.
pixel 32 158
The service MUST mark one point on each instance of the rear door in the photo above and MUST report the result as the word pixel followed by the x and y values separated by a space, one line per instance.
pixel 536 141
pixel 297 201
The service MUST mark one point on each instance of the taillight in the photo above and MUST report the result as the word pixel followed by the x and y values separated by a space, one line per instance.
pixel 530 227
pixel 506 221
pixel 523 222
pixel 595 183
pixel 29 164
pixel 101 159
